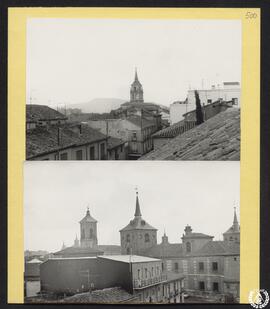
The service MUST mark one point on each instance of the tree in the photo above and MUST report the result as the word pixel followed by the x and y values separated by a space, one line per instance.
pixel 199 112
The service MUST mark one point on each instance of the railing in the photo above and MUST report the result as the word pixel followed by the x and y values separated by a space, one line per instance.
pixel 140 283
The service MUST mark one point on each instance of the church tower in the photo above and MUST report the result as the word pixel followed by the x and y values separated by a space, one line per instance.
pixel 138 235
pixel 233 233
pixel 88 231
pixel 136 90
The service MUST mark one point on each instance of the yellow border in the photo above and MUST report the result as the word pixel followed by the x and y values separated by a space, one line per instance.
pixel 250 111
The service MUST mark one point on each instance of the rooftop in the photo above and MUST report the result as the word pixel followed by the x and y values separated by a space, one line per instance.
pixel 197 235
pixel 88 217
pixel 36 112
pixel 218 248
pixel 79 250
pixel 171 131
pixel 165 250
pixel 43 140
pixel 109 295
pixel 114 142
pixel 129 258
pixel 216 139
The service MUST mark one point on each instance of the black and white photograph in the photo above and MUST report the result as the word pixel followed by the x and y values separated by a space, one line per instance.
pixel 132 232
pixel 133 89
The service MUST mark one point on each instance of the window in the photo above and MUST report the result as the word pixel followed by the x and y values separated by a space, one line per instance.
pixel 92 153
pixel 214 266
pixel 209 101
pixel 83 233
pixel 79 155
pixel 201 266
pixel 63 156
pixel 134 136
pixel 56 156
pixel 128 238
pixel 128 251
pixel 176 266
pixel 146 238
pixel 215 287
pixel 235 259
pixel 162 266
pixel 145 273
pixel 139 273
pixel 152 273
pixel 188 247
pixel 102 151
pixel 91 233
pixel 201 285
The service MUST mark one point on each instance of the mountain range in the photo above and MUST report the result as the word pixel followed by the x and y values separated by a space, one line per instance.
pixel 99 105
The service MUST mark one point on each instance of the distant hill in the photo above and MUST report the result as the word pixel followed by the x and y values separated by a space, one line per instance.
pixel 99 105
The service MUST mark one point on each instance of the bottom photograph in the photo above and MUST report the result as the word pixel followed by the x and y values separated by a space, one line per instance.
pixel 131 232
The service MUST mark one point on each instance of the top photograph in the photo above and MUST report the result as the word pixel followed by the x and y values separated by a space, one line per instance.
pixel 133 89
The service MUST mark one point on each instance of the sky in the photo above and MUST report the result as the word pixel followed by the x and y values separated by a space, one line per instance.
pixel 77 60
pixel 172 195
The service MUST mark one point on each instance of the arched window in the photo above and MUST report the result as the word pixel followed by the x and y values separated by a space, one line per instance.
pixel 146 238
pixel 231 238
pixel 128 238
pixel 188 247
pixel 83 233
pixel 91 234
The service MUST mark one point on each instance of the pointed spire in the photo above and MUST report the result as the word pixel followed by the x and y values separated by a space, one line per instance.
pixel 235 221
pixel 138 210
pixel 136 75
pixel 88 211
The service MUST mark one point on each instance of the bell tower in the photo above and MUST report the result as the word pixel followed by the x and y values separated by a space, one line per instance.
pixel 233 233
pixel 136 90
pixel 88 228
pixel 138 235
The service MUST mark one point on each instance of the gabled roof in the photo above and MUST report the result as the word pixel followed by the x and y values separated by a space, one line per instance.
pixel 43 140
pixel 218 248
pixel 36 112
pixel 216 139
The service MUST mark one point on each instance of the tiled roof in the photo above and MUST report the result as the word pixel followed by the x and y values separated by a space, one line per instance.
pixel 77 251
pixel 166 250
pixel 173 130
pixel 144 123
pixel 114 142
pixel 197 235
pixel 218 248
pixel 138 224
pixel 109 295
pixel 216 139
pixel 41 112
pixel 42 140
pixel 110 249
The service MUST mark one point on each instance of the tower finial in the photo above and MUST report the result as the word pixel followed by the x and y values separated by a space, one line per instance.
pixel 137 210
